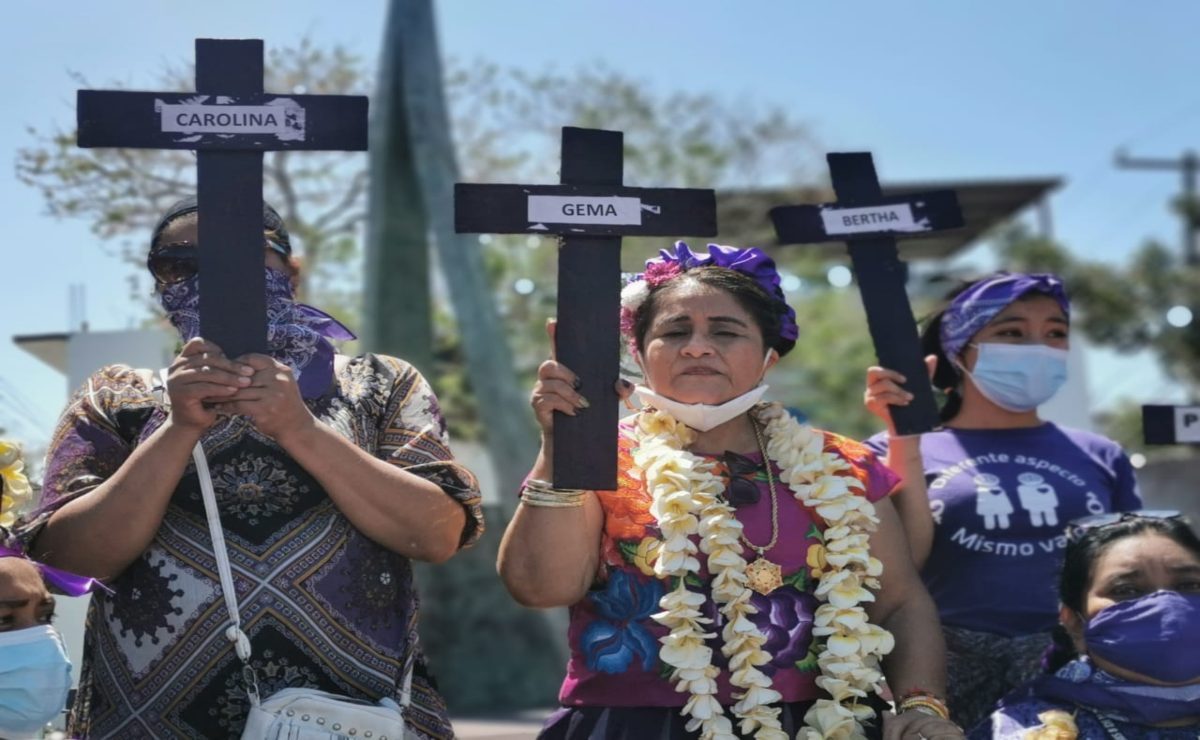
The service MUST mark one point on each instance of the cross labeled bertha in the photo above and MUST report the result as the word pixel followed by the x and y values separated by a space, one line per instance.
pixel 591 210
pixel 870 224
pixel 229 121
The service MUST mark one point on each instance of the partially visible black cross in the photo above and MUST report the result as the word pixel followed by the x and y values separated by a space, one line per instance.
pixel 229 122
pixel 1171 425
pixel 870 224
pixel 591 210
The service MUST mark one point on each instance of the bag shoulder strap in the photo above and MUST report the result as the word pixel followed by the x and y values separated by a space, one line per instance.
pixel 234 632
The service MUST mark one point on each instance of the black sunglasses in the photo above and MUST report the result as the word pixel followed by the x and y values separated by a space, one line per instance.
pixel 1077 527
pixel 178 261
pixel 742 491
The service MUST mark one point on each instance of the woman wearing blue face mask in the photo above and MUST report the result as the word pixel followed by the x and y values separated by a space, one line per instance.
pixel 1130 592
pixel 999 481
pixel 35 672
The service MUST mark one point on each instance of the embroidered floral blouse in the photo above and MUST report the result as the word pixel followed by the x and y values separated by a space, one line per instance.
pixel 324 606
pixel 614 642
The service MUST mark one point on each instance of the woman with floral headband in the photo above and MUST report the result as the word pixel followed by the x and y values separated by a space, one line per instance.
pixel 991 491
pixel 331 474
pixel 1130 610
pixel 749 577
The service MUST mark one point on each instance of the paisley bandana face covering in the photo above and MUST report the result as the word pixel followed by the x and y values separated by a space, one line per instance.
pixel 297 334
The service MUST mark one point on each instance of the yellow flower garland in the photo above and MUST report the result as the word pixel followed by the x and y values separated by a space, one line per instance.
pixel 17 490
pixel 686 500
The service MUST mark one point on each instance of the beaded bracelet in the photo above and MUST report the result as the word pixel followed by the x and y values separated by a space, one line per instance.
pixel 540 493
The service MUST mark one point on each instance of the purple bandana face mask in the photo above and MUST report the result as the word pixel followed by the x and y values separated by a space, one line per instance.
pixel 297 334
pixel 1157 636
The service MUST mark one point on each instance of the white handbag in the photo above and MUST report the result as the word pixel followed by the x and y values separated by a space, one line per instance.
pixel 297 713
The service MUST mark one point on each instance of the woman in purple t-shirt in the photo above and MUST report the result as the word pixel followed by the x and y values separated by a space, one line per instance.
pixel 1001 483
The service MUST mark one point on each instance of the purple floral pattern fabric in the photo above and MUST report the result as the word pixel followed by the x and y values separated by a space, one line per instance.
pixel 323 605
pixel 613 637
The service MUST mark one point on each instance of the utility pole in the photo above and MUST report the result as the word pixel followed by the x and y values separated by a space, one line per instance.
pixel 1189 165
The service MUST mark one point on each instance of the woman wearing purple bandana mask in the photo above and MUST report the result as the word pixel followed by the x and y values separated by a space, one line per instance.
pixel 705 329
pixel 999 481
pixel 1130 591
pixel 331 473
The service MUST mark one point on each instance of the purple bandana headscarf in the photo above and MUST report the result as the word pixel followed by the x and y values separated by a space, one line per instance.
pixel 297 334
pixel 750 261
pixel 64 582
pixel 972 309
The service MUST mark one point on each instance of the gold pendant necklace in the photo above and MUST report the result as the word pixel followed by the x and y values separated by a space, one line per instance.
pixel 762 575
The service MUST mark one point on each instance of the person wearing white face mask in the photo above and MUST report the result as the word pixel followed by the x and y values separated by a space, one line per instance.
pixel 998 350
pixel 749 573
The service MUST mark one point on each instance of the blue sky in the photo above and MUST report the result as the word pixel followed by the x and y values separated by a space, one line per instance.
pixel 936 90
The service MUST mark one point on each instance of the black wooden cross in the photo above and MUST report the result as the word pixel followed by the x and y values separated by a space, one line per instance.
pixel 870 224
pixel 1171 425
pixel 591 210
pixel 229 121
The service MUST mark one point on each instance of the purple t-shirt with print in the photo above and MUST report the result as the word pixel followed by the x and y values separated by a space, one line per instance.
pixel 1001 499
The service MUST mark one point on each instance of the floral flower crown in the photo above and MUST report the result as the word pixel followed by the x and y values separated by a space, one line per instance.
pixel 15 484
pixel 751 261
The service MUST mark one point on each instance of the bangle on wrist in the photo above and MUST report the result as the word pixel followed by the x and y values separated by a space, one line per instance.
pixel 540 493
pixel 923 702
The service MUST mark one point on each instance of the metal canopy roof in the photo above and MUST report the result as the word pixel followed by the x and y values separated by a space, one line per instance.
pixel 742 215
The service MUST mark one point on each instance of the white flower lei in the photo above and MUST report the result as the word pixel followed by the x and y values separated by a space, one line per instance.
pixel 686 500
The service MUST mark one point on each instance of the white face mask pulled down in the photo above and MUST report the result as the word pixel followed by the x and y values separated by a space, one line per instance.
pixel 702 416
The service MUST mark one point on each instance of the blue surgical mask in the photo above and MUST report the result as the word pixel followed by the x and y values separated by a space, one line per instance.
pixel 1018 377
pixel 35 676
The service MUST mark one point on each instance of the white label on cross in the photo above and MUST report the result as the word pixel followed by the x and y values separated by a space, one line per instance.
pixel 897 217
pixel 282 118
pixel 1187 424
pixel 580 209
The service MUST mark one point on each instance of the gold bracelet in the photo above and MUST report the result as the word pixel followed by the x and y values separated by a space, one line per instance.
pixel 540 493
pixel 925 704
pixel 541 486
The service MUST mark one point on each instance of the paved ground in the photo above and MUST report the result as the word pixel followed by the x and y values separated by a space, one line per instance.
pixel 524 726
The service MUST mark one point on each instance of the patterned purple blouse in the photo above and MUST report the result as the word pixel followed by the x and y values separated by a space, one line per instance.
pixel 324 606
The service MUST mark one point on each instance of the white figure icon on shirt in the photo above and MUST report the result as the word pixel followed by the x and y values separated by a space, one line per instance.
pixel 991 502
pixel 1039 499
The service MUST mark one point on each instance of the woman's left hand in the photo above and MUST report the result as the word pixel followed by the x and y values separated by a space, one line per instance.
pixel 272 401
pixel 914 725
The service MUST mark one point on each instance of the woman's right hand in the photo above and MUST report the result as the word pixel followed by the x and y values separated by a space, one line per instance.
pixel 885 388
pixel 555 390
pixel 199 375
